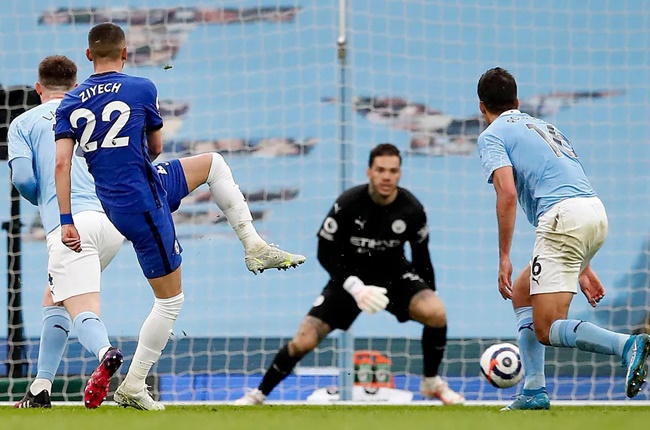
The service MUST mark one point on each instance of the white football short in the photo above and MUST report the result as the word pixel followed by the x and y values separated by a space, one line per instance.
pixel 567 237
pixel 71 274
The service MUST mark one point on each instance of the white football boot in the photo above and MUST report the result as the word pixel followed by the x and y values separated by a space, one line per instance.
pixel 436 387
pixel 271 257
pixel 252 398
pixel 138 399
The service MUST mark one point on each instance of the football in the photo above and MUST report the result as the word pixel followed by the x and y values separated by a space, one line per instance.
pixel 501 365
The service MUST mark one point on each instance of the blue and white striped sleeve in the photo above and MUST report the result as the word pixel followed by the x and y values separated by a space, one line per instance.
pixel 493 154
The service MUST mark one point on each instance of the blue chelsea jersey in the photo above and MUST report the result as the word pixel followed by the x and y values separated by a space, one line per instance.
pixel 546 167
pixel 108 116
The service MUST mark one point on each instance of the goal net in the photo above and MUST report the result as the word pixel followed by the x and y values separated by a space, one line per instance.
pixel 258 81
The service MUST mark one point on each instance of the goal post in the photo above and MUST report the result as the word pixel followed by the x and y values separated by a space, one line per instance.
pixel 346 136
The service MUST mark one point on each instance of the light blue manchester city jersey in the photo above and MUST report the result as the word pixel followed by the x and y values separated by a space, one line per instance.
pixel 31 136
pixel 546 167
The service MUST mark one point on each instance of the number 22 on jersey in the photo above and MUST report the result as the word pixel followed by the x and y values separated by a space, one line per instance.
pixel 110 140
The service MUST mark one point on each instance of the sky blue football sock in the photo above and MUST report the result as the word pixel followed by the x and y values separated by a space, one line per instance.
pixel 626 348
pixel 532 352
pixel 587 337
pixel 91 333
pixel 533 392
pixel 54 338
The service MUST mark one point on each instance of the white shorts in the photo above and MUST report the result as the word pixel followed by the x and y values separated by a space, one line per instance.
pixel 567 237
pixel 71 274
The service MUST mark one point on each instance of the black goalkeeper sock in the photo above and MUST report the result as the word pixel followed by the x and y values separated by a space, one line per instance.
pixel 282 366
pixel 434 340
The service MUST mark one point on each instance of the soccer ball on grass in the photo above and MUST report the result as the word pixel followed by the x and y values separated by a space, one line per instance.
pixel 501 365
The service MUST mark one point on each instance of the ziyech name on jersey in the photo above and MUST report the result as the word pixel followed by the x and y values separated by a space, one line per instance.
pixel 109 87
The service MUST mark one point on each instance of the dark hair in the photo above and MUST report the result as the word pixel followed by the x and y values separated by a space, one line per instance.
pixel 57 72
pixel 497 89
pixel 106 40
pixel 383 149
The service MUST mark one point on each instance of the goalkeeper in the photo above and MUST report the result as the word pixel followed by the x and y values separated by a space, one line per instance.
pixel 361 245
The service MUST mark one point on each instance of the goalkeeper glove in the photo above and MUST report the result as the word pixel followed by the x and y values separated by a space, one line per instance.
pixel 369 298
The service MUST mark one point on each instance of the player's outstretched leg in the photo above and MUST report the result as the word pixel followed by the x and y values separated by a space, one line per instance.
pixel 229 198
pixel 634 350
pixel 97 386
pixel 271 257
pixel 637 364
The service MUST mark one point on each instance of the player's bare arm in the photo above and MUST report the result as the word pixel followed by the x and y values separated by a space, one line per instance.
pixel 504 184
pixel 154 143
pixel 69 235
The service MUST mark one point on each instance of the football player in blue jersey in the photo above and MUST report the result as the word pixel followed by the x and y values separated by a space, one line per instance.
pixel 73 287
pixel 530 160
pixel 114 118
pixel 72 297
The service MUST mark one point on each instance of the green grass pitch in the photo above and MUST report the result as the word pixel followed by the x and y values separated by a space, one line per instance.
pixel 282 417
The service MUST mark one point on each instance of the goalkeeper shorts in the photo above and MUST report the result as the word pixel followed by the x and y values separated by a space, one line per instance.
pixel 338 309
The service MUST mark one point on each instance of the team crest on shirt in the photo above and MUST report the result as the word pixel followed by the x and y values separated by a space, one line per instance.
pixel 399 226
pixel 330 225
